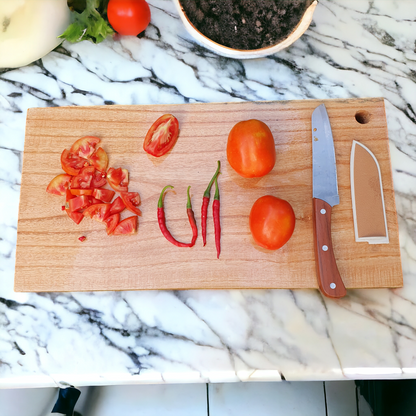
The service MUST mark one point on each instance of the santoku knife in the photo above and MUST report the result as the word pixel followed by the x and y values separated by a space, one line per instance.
pixel 325 196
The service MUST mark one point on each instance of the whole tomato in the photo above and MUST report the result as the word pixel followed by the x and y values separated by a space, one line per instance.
pixel 250 149
pixel 272 222
pixel 128 17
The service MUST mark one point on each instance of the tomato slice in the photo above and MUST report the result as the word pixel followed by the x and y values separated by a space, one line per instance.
pixel 78 203
pixel 97 212
pixel 84 179
pixel 118 179
pixel 98 179
pixel 81 191
pixel 117 206
pixel 75 216
pixel 131 201
pixel 111 223
pixel 99 159
pixel 71 163
pixel 105 195
pixel 162 136
pixel 85 146
pixel 59 184
pixel 127 226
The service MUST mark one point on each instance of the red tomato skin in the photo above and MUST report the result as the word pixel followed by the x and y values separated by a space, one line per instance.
pixel 251 150
pixel 59 184
pixel 272 222
pixel 162 135
pixel 131 201
pixel 128 17
pixel 117 206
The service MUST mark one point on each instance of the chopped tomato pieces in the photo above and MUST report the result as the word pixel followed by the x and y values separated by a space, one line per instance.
pixel 131 201
pixel 118 179
pixel 79 202
pixel 84 178
pixel 72 164
pixel 111 223
pixel 97 212
pixel 127 226
pixel 104 195
pixel 99 159
pixel 82 238
pixel 117 206
pixel 59 184
pixel 85 146
pixel 98 179
pixel 81 191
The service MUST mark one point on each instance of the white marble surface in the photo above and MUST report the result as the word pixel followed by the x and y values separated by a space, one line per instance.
pixel 354 48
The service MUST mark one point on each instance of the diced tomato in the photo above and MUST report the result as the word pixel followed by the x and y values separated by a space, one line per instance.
pixel 72 164
pixel 118 179
pixel 97 212
pixel 79 202
pixel 59 184
pixel 99 159
pixel 85 146
pixel 75 216
pixel 95 200
pixel 98 179
pixel 111 223
pixel 104 195
pixel 83 179
pixel 131 201
pixel 127 226
pixel 81 191
pixel 82 238
pixel 117 206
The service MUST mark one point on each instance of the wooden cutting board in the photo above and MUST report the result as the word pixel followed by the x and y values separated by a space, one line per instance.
pixel 50 258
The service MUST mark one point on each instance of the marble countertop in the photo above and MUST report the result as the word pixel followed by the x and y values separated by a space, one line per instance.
pixel 354 48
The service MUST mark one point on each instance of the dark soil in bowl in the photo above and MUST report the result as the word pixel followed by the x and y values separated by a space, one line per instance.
pixel 245 24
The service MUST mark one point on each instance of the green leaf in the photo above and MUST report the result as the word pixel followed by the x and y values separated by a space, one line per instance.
pixel 88 25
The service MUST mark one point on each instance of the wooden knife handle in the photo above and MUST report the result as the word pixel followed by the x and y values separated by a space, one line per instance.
pixel 329 279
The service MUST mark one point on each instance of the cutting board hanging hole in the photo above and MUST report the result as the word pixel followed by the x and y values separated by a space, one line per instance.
pixel 363 117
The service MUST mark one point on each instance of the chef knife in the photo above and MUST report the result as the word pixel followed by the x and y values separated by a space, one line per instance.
pixel 325 196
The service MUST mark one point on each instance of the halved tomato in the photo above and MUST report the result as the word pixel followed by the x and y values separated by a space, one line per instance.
pixel 98 179
pixel 59 184
pixel 127 226
pixel 81 191
pixel 99 159
pixel 117 206
pixel 105 195
pixel 71 163
pixel 79 202
pixel 83 179
pixel 111 223
pixel 97 212
pixel 118 179
pixel 162 136
pixel 85 146
pixel 132 201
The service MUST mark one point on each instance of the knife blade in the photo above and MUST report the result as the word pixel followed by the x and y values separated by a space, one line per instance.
pixel 325 196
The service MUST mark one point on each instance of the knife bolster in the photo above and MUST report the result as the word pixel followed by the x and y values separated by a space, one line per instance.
pixel 329 279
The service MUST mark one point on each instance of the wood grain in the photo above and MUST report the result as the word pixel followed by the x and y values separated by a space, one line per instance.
pixel 50 258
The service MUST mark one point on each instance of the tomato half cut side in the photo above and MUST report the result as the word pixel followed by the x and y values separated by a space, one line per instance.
pixel 98 179
pixel 59 184
pixel 111 223
pixel 131 201
pixel 105 195
pixel 99 159
pixel 127 226
pixel 162 135
pixel 118 179
pixel 97 212
pixel 85 146
pixel 117 206
pixel 83 179
pixel 71 163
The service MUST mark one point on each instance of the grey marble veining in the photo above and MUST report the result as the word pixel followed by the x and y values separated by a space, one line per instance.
pixel 354 48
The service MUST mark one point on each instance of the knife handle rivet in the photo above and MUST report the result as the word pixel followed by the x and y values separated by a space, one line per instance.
pixel 325 248
pixel 323 211
pixel 332 285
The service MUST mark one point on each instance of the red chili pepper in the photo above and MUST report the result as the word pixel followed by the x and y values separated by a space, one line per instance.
pixel 216 216
pixel 162 221
pixel 191 218
pixel 205 202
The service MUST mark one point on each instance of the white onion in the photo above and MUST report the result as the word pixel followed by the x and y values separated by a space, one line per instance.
pixel 29 29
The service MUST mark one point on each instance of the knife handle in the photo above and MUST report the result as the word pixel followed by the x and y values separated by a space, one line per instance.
pixel 329 279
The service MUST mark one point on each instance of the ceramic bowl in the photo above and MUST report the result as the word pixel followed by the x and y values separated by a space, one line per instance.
pixel 296 33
